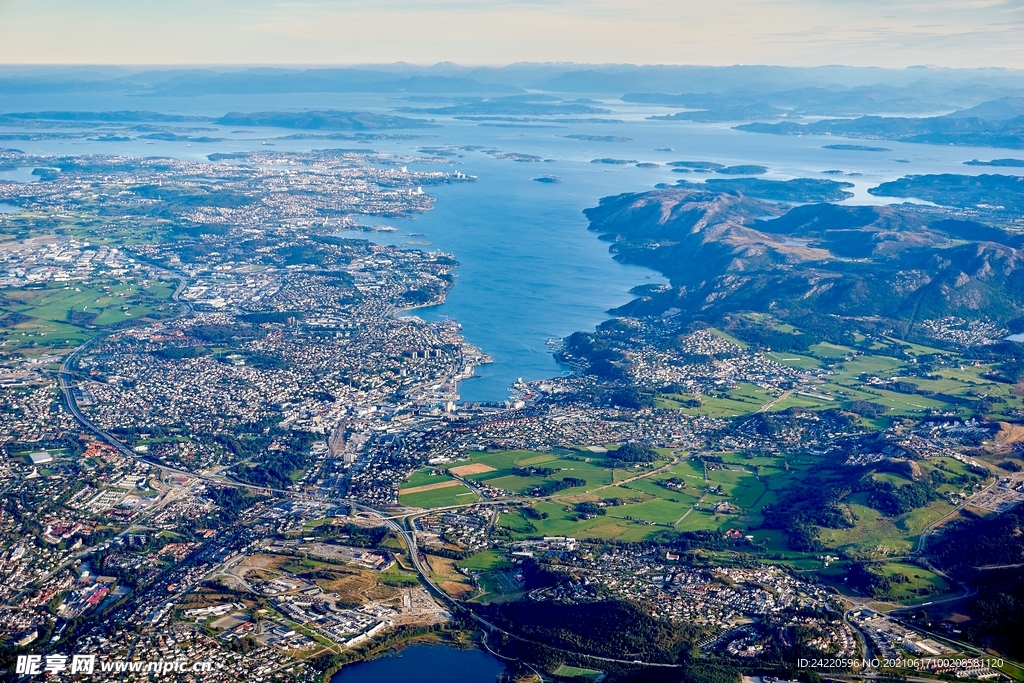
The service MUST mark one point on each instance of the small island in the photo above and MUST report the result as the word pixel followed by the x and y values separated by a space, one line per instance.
pixel 607 160
pixel 597 138
pixel 648 164
pixel 1016 163
pixel 743 169
pixel 857 148
pixel 548 179
pixel 701 165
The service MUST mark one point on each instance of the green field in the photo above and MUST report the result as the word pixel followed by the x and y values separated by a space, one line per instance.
pixel 917 582
pixel 444 497
pixel 106 302
pixel 497 585
pixel 826 350
pixel 794 360
pixel 574 671
pixel 485 561
pixel 908 583
pixel 424 477
pixel 595 469
pixel 742 399
pixel 67 314
pixel 563 523
pixel 643 509
pixel 877 535
pixel 859 376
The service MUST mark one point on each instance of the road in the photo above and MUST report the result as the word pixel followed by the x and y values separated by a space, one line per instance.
pixel 407 532
pixel 699 501
pixel 775 401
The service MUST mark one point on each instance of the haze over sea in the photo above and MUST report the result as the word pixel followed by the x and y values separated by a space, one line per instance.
pixel 529 270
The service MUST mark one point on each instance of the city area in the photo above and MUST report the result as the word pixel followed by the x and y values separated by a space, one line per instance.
pixel 228 437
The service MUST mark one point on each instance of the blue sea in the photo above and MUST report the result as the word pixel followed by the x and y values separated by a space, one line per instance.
pixel 529 269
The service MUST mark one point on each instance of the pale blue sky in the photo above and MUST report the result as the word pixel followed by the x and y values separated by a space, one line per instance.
pixel 951 33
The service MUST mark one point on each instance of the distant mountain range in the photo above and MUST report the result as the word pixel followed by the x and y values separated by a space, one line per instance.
pixel 761 90
pixel 1001 126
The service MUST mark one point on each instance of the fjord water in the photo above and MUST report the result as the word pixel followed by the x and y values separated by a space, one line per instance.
pixel 425 664
pixel 529 270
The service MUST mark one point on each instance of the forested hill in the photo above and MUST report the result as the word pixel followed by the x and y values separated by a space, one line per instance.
pixel 724 251
pixel 616 629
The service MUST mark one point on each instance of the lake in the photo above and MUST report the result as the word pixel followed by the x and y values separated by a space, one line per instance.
pixel 425 664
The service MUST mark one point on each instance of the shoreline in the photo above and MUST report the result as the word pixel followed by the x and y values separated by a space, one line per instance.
pixel 460 639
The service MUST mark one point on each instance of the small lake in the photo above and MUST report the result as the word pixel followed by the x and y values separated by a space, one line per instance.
pixel 9 208
pixel 425 664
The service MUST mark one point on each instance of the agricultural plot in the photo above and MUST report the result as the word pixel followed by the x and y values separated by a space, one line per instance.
pixel 563 522
pixel 802 401
pixel 487 560
pixel 702 520
pixel 742 488
pixel 499 470
pixel 911 582
pixel 742 399
pixel 459 494
pixel 827 350
pixel 646 508
pixel 95 304
pixel 655 510
pixel 856 376
pixel 908 583
pixel 425 477
pixel 877 535
pixel 567 671
pixel 794 360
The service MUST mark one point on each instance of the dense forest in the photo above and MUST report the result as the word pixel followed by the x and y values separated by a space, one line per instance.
pixel 976 542
pixel 616 628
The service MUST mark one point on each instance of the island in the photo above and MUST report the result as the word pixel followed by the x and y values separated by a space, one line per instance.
pixel 1017 163
pixel 857 148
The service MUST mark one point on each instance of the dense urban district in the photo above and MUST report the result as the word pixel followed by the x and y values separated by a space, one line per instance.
pixel 228 439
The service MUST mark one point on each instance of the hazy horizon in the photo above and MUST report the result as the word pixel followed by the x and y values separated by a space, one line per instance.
pixel 980 33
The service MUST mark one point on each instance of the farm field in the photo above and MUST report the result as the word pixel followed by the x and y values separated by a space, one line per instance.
pixel 485 561
pixel 742 399
pixel 853 375
pixel 644 508
pixel 96 304
pixel 439 497
pixel 70 314
pixel 596 469
pixel 425 477
pixel 877 535
pixel 908 583
pixel 575 671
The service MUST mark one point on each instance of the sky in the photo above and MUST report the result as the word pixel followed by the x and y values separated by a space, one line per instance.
pixel 887 33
